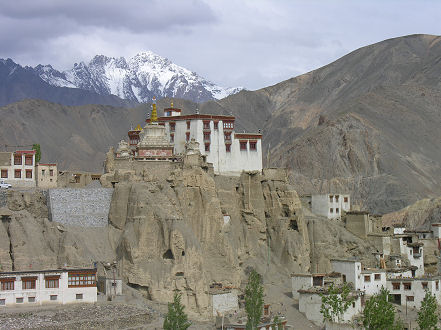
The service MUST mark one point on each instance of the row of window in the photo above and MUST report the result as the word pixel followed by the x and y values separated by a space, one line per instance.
pixel 336 197
pixel 206 125
pixel 74 280
pixel 331 210
pixel 18 160
pixel 51 172
pixel 17 174
pixel 408 285
pixel 377 277
pixel 52 297
pixel 243 147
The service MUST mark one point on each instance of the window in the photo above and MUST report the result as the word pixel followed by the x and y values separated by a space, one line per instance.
pixel 2 302
pixel 17 160
pixel 187 136
pixel 377 277
pixel 42 172
pixel 29 160
pixel 228 124
pixel 228 147
pixel 52 282
pixel 216 125
pixel 207 146
pixel 353 304
pixel 19 300
pixel 206 136
pixel 243 145
pixel 79 296
pixel 396 286
pixel 337 210
pixel 4 174
pixel 331 210
pixel 407 286
pixel 227 136
pixel 367 278
pixel 81 279
pixel 345 199
pixel 51 172
pixel 437 285
pixel 253 145
pixel 172 138
pixel 54 297
pixel 336 198
pixel 206 125
pixel 424 284
pixel 17 174
pixel 28 174
pixel 188 124
pixel 331 198
pixel 172 127
pixel 28 283
pixel 7 284
pixel 409 298
pixel 31 299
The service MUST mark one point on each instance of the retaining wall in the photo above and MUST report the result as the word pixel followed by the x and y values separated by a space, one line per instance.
pixel 80 206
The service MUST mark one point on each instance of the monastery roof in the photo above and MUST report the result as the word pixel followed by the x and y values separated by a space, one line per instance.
pixel 18 272
pixel 194 116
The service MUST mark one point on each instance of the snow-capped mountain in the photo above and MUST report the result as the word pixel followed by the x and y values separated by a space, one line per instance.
pixel 137 79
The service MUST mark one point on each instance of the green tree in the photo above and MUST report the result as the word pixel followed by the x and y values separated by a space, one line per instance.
pixel 253 300
pixel 379 313
pixel 336 302
pixel 176 319
pixel 36 147
pixel 428 315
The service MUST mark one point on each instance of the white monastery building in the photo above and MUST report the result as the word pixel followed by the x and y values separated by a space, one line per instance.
pixel 329 205
pixel 61 286
pixel 228 151
pixel 18 168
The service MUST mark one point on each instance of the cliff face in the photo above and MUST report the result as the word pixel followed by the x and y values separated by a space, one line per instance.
pixel 191 230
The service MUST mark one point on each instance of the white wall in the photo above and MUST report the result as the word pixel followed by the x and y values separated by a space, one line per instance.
pixel 42 294
pixel 224 302
pixel 300 282
pixel 373 286
pixel 417 290
pixel 436 229
pixel 23 181
pixel 352 270
pixel 322 205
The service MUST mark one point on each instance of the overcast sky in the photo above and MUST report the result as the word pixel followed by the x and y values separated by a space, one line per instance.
pixel 253 43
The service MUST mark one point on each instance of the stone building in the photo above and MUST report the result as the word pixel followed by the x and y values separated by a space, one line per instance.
pixel 229 152
pixel 18 168
pixel 59 286
pixel 47 176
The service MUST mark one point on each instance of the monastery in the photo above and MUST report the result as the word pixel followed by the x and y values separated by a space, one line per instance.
pixel 170 137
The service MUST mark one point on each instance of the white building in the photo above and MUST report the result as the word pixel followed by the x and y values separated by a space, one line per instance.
pixel 330 205
pixel 228 151
pixel 413 251
pixel 372 281
pixel 224 301
pixel 350 270
pixel 18 168
pixel 310 302
pixel 61 286
pixel 436 230
pixel 411 291
pixel 304 282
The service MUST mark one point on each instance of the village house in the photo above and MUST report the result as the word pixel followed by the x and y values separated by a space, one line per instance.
pixel 59 286
pixel 228 151
pixel 330 206
pixel 411 291
pixel 18 168
pixel 47 175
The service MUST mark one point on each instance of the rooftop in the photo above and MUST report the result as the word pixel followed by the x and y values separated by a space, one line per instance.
pixel 46 271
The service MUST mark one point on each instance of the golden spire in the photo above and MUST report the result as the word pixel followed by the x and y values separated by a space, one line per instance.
pixel 154 116
pixel 171 105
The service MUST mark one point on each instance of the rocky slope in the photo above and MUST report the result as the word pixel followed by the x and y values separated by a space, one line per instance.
pixel 138 78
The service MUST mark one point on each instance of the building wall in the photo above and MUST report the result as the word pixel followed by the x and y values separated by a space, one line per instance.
pixel 416 291
pixel 351 269
pixel 109 286
pixel 310 304
pixel 414 260
pixel 80 207
pixel 300 282
pixel 358 224
pixel 323 204
pixel 11 168
pixel 43 295
pixel 436 229
pixel 224 302
pixel 373 286
pixel 227 163
pixel 76 179
pixel 47 176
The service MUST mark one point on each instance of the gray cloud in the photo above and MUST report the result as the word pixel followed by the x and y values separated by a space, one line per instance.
pixel 253 43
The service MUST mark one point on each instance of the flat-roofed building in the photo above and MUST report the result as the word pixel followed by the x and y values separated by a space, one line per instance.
pixel 47 176
pixel 18 168
pixel 59 286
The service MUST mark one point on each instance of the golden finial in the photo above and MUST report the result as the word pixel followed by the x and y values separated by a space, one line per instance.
pixel 171 105
pixel 138 128
pixel 154 116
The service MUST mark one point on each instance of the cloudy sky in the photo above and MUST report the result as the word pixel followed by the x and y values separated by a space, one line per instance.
pixel 251 43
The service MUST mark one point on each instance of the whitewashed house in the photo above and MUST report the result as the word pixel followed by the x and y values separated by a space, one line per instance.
pixel 60 286
pixel 330 205
pixel 411 291
pixel 350 270
pixel 18 168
